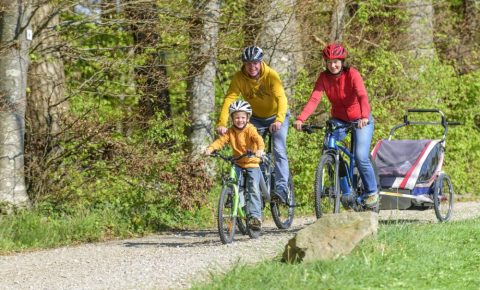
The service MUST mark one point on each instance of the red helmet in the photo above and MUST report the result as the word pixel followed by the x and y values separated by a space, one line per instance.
pixel 334 51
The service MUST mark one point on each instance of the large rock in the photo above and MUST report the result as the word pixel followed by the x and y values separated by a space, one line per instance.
pixel 331 236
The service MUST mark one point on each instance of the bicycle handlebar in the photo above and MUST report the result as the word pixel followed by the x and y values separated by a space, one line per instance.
pixel 231 159
pixel 310 128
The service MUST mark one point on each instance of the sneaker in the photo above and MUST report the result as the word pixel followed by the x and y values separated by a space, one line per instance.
pixel 255 223
pixel 280 196
pixel 347 201
pixel 371 201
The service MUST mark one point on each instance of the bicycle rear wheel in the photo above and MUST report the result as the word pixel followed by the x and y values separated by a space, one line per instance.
pixel 283 214
pixel 326 186
pixel 443 197
pixel 226 221
pixel 360 188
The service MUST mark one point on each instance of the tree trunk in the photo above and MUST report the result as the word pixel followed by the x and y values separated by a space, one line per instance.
pixel 469 58
pixel 420 32
pixel 281 40
pixel 15 38
pixel 46 76
pixel 337 21
pixel 201 89
pixel 151 77
pixel 47 106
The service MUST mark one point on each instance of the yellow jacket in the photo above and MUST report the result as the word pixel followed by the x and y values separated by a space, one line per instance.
pixel 265 95
pixel 241 140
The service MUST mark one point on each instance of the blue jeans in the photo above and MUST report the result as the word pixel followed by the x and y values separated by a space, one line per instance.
pixel 253 188
pixel 362 153
pixel 279 151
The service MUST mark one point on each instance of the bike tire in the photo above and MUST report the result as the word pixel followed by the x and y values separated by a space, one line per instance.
pixel 283 214
pixel 326 186
pixel 443 197
pixel 226 221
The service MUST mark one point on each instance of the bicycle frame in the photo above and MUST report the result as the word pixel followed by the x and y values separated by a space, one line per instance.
pixel 332 146
pixel 232 181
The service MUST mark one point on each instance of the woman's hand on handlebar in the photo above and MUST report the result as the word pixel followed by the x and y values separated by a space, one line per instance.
pixel 298 125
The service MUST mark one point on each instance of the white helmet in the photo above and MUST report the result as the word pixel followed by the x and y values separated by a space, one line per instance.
pixel 240 106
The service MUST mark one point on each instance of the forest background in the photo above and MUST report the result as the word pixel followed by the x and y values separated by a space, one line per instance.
pixel 106 105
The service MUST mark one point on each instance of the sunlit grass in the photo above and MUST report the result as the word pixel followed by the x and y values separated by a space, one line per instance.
pixel 31 230
pixel 401 256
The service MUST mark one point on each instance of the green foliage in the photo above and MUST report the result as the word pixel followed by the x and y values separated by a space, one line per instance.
pixel 112 161
pixel 402 256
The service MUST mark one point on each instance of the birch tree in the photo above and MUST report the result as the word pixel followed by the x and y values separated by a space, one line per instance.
pixel 203 52
pixel 15 36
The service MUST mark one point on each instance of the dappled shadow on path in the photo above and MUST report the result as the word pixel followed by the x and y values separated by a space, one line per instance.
pixel 195 238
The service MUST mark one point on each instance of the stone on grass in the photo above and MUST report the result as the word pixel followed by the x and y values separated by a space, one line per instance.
pixel 331 236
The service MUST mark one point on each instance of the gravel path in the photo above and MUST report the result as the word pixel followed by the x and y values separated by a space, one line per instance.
pixel 166 261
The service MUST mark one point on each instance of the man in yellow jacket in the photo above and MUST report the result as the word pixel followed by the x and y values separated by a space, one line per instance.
pixel 260 85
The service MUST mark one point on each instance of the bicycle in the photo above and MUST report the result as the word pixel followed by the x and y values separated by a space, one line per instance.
pixel 227 221
pixel 282 213
pixel 229 211
pixel 337 173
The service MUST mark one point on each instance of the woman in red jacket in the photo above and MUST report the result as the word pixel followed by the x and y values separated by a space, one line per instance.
pixel 346 92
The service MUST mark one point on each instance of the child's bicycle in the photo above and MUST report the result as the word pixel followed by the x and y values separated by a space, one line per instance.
pixel 229 211
pixel 337 171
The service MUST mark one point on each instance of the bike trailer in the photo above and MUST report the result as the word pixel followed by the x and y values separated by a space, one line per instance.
pixel 407 170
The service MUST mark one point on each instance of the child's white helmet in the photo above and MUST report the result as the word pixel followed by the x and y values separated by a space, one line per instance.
pixel 240 106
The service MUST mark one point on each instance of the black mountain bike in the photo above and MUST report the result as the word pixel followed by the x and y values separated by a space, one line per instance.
pixel 282 213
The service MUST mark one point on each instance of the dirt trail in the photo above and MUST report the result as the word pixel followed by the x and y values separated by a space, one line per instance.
pixel 166 261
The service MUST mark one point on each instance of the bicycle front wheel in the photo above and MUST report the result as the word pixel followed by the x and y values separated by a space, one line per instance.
pixel 282 214
pixel 226 220
pixel 326 186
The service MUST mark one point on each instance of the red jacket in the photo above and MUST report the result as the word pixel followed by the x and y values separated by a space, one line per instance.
pixel 346 92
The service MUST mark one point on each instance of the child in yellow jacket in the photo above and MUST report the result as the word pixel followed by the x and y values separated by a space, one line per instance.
pixel 243 137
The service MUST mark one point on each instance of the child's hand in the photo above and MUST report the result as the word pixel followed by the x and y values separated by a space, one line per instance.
pixel 259 153
pixel 208 152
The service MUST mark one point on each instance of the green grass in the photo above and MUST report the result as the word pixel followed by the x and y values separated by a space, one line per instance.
pixel 401 256
pixel 32 230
